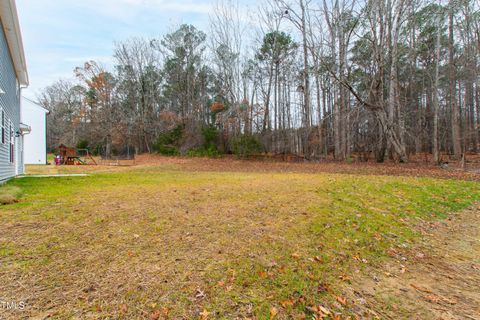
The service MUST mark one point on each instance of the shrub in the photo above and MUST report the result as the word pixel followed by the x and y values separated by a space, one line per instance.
pixel 208 147
pixel 167 143
pixel 82 144
pixel 210 151
pixel 9 194
pixel 97 150
pixel 245 146
pixel 209 134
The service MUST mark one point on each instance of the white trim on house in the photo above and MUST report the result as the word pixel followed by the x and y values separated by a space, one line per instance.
pixel 25 129
pixel 11 26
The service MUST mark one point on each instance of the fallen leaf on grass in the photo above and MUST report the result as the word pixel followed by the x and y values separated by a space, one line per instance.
pixel 165 311
pixel 319 311
pixel 287 303
pixel 432 298
pixel 273 312
pixel 342 300
pixel 316 259
pixel 420 255
pixel 155 315
pixel 344 277
pixel 204 314
pixel 123 308
pixel 324 310
pixel 322 287
pixel 392 252
pixel 295 255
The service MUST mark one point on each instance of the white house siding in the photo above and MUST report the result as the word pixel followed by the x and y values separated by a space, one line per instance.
pixel 35 143
pixel 10 104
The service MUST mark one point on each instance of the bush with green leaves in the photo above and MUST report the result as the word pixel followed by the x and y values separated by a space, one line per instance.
pixel 208 147
pixel 167 143
pixel 210 152
pixel 246 145
pixel 82 144
pixel 210 134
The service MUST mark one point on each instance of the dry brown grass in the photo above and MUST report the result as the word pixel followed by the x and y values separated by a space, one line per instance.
pixel 172 237
pixel 9 194
pixel 437 279
pixel 416 168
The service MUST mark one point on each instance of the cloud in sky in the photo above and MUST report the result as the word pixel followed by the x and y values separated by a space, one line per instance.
pixel 59 35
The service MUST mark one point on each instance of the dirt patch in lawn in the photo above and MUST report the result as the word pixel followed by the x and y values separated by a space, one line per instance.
pixel 439 279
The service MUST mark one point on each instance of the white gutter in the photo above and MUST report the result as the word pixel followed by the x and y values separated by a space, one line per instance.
pixel 11 27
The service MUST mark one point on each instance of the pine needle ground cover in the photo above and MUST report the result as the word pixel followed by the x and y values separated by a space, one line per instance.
pixel 164 242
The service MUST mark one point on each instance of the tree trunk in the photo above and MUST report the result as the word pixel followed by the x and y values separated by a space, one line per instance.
pixel 455 112
pixel 306 80
pixel 435 151
pixel 391 135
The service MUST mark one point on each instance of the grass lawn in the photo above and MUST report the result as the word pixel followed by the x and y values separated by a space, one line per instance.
pixel 163 241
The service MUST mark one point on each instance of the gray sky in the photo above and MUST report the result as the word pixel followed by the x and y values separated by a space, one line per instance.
pixel 59 35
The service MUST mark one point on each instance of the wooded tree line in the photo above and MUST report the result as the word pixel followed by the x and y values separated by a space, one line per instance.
pixel 374 79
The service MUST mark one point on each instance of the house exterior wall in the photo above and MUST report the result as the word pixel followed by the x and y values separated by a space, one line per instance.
pixel 10 107
pixel 35 143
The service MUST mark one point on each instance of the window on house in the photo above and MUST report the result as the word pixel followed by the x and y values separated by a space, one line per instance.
pixel 12 143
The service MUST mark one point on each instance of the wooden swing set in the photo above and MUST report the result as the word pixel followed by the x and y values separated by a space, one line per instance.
pixel 73 156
